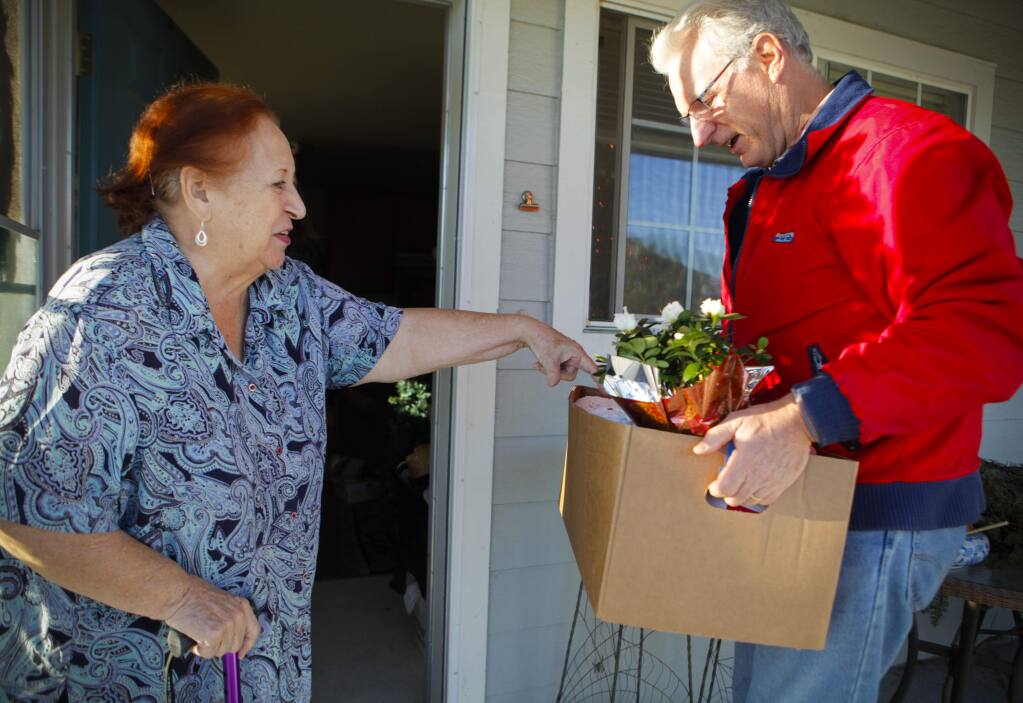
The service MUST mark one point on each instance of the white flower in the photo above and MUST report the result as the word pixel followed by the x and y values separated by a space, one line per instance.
pixel 671 312
pixel 625 321
pixel 712 307
pixel 678 335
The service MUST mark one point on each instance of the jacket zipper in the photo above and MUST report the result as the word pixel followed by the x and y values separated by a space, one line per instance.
pixel 742 242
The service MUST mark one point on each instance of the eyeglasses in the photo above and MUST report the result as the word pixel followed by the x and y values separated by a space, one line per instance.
pixel 699 108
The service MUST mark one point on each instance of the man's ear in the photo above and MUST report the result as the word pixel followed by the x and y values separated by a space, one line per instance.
pixel 193 183
pixel 770 53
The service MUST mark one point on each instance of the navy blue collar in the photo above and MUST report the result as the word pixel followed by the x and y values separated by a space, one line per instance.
pixel 849 92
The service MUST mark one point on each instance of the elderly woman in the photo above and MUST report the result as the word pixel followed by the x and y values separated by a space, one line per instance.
pixel 162 421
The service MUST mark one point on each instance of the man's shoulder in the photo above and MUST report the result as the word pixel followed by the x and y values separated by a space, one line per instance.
pixel 894 132
pixel 888 122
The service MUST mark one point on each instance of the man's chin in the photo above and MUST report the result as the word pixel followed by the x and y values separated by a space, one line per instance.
pixel 751 159
pixel 749 151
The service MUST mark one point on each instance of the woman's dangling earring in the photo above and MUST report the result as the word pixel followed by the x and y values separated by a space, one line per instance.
pixel 200 237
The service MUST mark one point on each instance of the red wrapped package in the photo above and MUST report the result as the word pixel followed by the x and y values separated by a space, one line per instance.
pixel 695 409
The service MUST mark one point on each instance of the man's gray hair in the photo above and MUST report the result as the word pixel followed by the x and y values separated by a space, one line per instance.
pixel 730 27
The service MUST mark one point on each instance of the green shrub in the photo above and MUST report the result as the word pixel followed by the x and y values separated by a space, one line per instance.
pixel 1003 485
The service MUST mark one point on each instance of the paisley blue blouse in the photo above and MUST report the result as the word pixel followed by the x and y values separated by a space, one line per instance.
pixel 123 408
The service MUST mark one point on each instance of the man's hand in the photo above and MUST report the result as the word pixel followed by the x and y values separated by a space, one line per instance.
pixel 772 448
pixel 557 357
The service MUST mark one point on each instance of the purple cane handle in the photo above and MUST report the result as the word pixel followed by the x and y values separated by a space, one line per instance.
pixel 231 692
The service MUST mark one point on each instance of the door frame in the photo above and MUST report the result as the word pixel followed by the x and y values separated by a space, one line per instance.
pixel 468 275
pixel 443 380
pixel 57 106
pixel 468 278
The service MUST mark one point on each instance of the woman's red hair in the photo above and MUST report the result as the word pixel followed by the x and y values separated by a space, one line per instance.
pixel 193 124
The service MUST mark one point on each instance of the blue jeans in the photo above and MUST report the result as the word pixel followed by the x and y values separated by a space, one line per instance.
pixel 886 576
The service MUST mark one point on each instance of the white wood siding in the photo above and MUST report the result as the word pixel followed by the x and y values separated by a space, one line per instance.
pixel 533 578
pixel 481 195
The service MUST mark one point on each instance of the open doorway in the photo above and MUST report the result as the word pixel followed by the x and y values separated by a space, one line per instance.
pixel 359 86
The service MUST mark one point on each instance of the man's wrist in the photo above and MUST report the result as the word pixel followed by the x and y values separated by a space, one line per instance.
pixel 826 411
pixel 797 417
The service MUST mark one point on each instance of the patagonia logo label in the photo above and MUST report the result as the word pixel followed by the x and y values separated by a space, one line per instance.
pixel 785 237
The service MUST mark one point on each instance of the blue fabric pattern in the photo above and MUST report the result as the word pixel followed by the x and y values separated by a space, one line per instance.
pixel 123 408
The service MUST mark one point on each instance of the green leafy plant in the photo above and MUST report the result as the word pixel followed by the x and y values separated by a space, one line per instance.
pixel 412 398
pixel 684 345
pixel 937 609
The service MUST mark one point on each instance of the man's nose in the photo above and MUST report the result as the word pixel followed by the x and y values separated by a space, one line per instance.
pixel 701 131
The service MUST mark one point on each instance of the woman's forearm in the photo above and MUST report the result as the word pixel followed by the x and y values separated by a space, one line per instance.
pixel 111 567
pixel 455 337
pixel 118 570
pixel 431 339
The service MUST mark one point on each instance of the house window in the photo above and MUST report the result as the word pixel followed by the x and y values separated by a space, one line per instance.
pixel 950 103
pixel 19 242
pixel 657 231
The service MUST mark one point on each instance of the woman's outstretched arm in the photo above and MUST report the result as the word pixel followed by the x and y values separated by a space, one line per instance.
pixel 430 339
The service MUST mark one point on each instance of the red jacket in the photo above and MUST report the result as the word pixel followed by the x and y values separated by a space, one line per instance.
pixel 877 257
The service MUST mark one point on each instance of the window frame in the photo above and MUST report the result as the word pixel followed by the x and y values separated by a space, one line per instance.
pixel 29 143
pixel 873 66
pixel 833 39
pixel 691 229
pixel 47 167
pixel 46 137
pixel 837 40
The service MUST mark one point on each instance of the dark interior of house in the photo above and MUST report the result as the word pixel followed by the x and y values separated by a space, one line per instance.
pixel 371 228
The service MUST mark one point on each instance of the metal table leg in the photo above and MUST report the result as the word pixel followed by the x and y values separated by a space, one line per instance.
pixel 571 635
pixel 1016 678
pixel 912 651
pixel 962 663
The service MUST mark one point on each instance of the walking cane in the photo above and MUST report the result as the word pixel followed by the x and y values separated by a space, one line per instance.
pixel 180 646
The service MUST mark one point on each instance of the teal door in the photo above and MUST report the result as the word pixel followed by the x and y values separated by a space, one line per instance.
pixel 136 53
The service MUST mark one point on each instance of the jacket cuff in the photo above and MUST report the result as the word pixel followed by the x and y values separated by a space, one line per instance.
pixel 826 412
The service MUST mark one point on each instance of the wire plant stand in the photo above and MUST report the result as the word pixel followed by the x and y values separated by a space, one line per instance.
pixel 614 663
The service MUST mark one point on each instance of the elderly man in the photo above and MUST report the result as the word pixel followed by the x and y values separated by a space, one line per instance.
pixel 869 240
